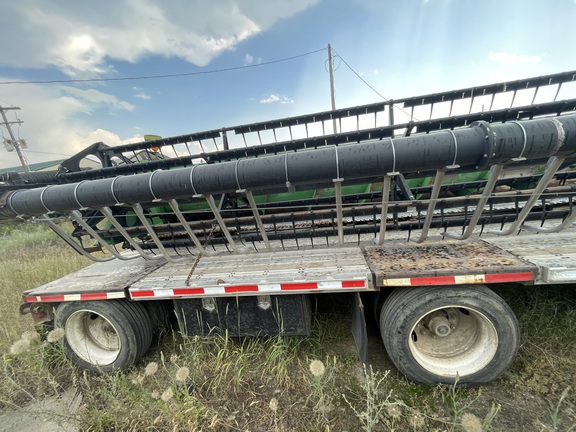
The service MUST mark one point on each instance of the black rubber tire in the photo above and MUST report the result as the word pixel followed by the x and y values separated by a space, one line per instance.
pixel 102 336
pixel 482 343
pixel 162 317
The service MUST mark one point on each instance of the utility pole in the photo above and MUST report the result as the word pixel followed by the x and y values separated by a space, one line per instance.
pixel 331 71
pixel 14 141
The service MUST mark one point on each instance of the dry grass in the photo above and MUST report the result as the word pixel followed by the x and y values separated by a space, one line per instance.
pixel 30 255
pixel 282 384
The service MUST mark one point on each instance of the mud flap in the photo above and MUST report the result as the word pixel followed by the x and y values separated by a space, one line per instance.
pixel 245 316
pixel 359 329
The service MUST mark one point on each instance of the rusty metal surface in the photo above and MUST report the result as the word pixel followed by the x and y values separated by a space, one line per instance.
pixel 441 258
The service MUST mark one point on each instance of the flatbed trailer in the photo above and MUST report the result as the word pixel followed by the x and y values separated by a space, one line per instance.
pixel 263 286
pixel 531 259
pixel 413 228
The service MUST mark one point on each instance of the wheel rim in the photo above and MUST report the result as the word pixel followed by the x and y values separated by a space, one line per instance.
pixel 92 337
pixel 453 341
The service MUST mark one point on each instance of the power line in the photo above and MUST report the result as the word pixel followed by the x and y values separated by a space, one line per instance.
pixel 372 88
pixel 48 153
pixel 145 77
pixel 360 76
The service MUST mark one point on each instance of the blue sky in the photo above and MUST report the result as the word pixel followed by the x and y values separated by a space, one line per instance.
pixel 401 48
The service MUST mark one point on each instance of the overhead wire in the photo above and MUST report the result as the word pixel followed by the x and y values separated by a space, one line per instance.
pixel 174 75
pixel 372 88
pixel 48 153
pixel 360 76
pixel 144 77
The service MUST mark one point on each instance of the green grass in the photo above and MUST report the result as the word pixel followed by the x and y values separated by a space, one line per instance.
pixel 277 383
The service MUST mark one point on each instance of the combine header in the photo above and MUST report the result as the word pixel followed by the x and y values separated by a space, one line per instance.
pixel 237 229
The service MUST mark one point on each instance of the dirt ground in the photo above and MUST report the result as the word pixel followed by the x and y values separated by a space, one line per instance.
pixel 49 415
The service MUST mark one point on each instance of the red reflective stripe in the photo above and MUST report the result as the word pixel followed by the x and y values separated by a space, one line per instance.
pixel 436 280
pixel 241 288
pixel 299 286
pixel 508 277
pixel 188 291
pixel 31 299
pixel 146 293
pixel 354 284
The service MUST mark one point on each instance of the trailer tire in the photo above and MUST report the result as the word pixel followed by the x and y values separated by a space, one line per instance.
pixel 102 336
pixel 161 316
pixel 465 335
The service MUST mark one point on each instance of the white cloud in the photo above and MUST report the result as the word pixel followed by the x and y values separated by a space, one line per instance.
pixel 249 59
pixel 92 99
pixel 513 59
pixel 374 72
pixel 140 93
pixel 110 138
pixel 274 98
pixel 57 120
pixel 82 38
pixel 80 56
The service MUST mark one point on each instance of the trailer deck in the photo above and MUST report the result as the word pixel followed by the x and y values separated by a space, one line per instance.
pixel 526 258
pixel 289 271
pixel 554 254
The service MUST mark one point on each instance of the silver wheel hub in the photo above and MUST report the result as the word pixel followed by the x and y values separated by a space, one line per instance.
pixel 92 337
pixel 453 341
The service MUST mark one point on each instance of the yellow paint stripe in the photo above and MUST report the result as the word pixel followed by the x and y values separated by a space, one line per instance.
pixel 397 282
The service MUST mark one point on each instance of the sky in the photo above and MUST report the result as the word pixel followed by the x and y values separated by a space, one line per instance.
pixel 243 61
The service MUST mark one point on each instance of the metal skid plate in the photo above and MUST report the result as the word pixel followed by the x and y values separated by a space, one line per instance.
pixel 268 273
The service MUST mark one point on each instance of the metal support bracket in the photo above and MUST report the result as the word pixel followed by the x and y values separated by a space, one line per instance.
pixel 339 211
pixel 495 172
pixel 553 165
